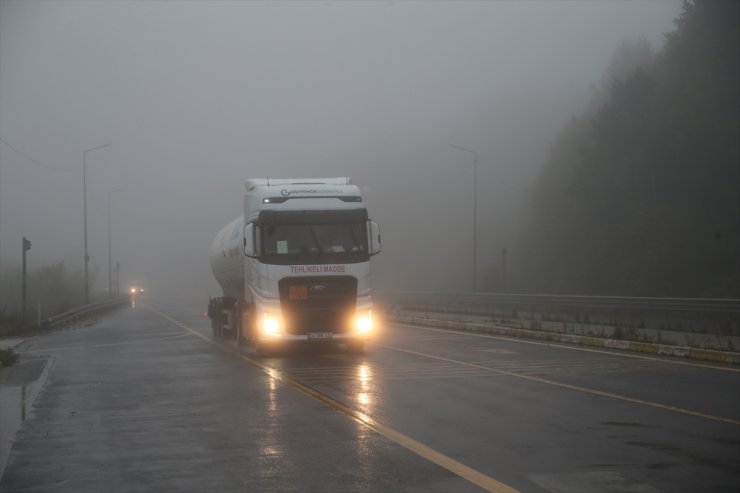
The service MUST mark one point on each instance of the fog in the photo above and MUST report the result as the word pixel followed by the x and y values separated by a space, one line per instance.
pixel 195 97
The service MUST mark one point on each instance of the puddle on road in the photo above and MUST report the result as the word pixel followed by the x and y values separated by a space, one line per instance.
pixel 18 391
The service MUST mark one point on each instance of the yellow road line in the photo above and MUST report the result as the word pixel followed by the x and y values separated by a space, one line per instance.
pixel 573 348
pixel 458 468
pixel 578 388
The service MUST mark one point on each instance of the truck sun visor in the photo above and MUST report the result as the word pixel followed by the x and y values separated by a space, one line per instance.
pixel 313 217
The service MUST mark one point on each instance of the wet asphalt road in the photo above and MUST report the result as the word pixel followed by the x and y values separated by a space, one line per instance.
pixel 144 400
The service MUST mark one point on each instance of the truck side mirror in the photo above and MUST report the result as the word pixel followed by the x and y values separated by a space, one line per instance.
pixel 373 232
pixel 249 244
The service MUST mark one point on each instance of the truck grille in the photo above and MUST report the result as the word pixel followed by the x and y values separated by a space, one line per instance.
pixel 318 304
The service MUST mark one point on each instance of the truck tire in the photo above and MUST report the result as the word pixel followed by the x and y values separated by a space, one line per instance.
pixel 212 311
pixel 219 325
pixel 251 330
pixel 216 320
pixel 355 347
pixel 261 349
pixel 239 335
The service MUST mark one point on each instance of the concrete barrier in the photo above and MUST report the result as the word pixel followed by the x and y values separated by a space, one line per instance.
pixel 633 346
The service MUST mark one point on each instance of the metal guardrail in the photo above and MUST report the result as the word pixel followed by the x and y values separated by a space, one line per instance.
pixel 477 302
pixel 82 312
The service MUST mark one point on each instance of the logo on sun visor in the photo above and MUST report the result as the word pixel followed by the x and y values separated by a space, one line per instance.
pixel 285 192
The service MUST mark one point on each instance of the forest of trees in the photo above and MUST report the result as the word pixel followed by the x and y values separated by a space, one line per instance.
pixel 640 196
pixel 51 290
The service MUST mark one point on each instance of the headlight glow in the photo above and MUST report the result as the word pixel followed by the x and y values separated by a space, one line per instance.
pixel 364 322
pixel 133 290
pixel 271 324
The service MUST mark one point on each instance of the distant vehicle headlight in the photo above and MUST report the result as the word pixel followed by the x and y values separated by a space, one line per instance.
pixel 133 290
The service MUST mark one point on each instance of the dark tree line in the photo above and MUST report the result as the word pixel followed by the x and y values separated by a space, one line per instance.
pixel 641 196
pixel 52 289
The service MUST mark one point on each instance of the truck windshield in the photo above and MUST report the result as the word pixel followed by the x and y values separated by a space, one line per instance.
pixel 314 243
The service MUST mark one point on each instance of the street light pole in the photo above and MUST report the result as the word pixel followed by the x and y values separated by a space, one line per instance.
pixel 110 264
pixel 475 212
pixel 504 251
pixel 84 215
pixel 26 247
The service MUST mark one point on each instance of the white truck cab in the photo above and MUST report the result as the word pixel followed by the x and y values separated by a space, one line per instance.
pixel 296 265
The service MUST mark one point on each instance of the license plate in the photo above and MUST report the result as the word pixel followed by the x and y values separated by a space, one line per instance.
pixel 320 335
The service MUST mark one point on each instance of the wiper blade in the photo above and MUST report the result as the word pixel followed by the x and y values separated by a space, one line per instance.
pixel 315 239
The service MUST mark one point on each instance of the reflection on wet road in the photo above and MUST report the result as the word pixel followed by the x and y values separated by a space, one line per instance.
pixel 420 410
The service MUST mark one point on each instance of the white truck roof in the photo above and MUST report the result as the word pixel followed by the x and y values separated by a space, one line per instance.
pixel 252 183
pixel 281 194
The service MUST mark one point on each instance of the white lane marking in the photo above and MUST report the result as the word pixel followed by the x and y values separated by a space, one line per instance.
pixel 591 482
pixel 586 390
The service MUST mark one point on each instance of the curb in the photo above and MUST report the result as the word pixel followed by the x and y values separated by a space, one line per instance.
pixel 632 346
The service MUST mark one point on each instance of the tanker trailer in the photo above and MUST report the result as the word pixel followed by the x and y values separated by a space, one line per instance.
pixel 295 267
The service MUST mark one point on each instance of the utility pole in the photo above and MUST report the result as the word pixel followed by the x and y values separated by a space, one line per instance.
pixel 84 215
pixel 2 287
pixel 110 264
pixel 504 251
pixel 118 279
pixel 475 212
pixel 26 247
pixel 84 219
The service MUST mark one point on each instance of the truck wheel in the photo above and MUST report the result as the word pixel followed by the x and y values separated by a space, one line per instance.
pixel 356 347
pixel 261 349
pixel 251 332
pixel 216 324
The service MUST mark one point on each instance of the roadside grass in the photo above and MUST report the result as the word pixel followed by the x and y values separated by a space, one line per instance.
pixel 11 325
pixel 8 357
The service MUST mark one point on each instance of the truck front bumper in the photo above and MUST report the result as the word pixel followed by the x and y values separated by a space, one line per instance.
pixel 314 337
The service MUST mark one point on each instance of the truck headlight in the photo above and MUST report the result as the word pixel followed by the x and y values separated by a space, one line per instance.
pixel 364 321
pixel 272 324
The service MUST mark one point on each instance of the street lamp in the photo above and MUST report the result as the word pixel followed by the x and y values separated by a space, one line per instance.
pixel 475 211
pixel 118 278
pixel 84 214
pixel 504 251
pixel 26 247
pixel 110 265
